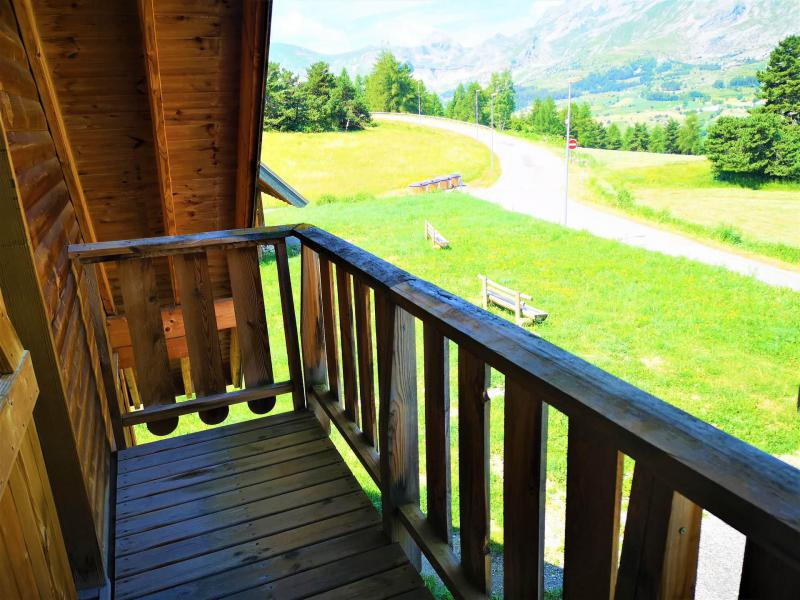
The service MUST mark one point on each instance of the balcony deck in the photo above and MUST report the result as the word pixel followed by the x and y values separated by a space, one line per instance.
pixel 264 509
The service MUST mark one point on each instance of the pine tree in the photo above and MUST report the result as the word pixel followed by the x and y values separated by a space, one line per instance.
pixel 671 137
pixel 389 86
pixel 689 138
pixel 318 87
pixel 780 81
pixel 505 102
pixel 658 140
pixel 639 139
pixel 613 137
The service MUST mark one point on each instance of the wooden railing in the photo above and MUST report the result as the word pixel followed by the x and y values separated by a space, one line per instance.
pixel 682 465
pixel 137 349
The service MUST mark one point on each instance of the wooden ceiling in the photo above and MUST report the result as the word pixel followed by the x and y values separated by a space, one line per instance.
pixel 161 105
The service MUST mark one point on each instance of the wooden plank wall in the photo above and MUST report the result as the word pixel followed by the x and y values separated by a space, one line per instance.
pixel 199 50
pixel 33 561
pixel 51 225
pixel 94 53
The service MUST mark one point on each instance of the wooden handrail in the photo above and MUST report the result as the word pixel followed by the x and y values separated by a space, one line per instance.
pixel 175 244
pixel 754 492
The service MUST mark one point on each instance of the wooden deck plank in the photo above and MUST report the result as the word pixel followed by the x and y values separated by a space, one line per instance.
pixel 208 459
pixel 238 496
pixel 330 576
pixel 244 514
pixel 289 558
pixel 215 445
pixel 257 520
pixel 400 580
pixel 251 471
pixel 174 443
pixel 280 458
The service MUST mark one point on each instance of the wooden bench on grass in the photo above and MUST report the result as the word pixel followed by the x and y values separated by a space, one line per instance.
pixel 500 295
pixel 436 238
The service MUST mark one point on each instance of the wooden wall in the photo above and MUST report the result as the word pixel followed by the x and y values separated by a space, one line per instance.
pixel 33 560
pixel 48 311
pixel 94 53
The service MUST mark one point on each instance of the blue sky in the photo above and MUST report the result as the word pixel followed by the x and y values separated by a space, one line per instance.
pixel 332 26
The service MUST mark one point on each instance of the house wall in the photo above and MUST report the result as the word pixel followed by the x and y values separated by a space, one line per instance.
pixel 37 221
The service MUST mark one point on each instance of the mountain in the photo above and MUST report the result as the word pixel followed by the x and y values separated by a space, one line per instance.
pixel 694 43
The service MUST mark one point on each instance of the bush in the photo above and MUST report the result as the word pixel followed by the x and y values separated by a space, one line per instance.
pixel 729 235
pixel 351 199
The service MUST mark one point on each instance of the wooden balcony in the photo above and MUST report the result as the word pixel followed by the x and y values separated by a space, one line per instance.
pixel 267 508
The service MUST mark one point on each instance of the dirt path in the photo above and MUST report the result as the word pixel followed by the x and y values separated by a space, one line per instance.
pixel 532 183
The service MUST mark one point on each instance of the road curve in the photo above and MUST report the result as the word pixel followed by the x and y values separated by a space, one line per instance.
pixel 532 183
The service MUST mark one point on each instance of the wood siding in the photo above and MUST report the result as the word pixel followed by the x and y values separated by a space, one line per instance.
pixel 51 226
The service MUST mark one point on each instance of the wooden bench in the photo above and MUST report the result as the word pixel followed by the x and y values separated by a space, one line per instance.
pixel 500 295
pixel 436 238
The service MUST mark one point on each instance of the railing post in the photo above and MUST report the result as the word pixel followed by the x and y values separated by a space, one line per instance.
pixel 473 468
pixel 594 486
pixel 312 332
pixel 524 478
pixel 398 436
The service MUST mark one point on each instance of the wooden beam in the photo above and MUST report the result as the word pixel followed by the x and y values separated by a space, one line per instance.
pixel 177 244
pixel 290 326
pixel 29 30
pixel 26 307
pixel 206 403
pixel 11 349
pixel 18 393
pixel 174 326
pixel 147 19
pixel 256 16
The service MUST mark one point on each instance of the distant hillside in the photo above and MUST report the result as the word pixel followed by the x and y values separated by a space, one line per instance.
pixel 642 57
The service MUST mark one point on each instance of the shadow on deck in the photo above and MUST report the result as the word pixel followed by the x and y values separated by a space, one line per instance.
pixel 264 509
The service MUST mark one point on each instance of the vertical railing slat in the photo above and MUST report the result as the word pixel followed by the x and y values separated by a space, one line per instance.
pixel 366 369
pixel 312 331
pixel 251 323
pixel 329 322
pixel 140 295
pixel 399 450
pixel 594 484
pixel 437 430
pixel 683 549
pixel 767 577
pixel 645 542
pixel 525 474
pixel 290 326
pixel 202 337
pixel 473 468
pixel 344 288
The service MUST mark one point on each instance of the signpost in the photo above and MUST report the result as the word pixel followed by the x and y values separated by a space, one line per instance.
pixel 569 146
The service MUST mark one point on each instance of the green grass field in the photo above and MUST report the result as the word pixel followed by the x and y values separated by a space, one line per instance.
pixel 682 193
pixel 381 160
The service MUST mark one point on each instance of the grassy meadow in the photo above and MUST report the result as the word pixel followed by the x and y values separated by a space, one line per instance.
pixel 682 193
pixel 381 160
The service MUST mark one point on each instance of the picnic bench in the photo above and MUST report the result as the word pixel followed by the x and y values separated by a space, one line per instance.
pixel 436 238
pixel 505 297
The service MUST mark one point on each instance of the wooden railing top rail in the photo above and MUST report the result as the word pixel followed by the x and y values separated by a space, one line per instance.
pixel 754 492
pixel 174 244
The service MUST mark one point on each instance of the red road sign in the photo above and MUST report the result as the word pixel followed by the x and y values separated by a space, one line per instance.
pixel 573 144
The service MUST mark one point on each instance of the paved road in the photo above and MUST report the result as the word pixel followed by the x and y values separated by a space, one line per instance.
pixel 532 182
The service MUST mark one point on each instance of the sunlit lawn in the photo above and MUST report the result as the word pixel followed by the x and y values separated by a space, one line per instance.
pixel 766 214
pixel 381 160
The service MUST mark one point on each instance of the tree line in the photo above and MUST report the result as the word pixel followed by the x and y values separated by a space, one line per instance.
pixel 765 143
pixel 323 102
pixel 544 118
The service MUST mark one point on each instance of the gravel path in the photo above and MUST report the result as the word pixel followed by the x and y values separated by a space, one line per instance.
pixel 532 183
